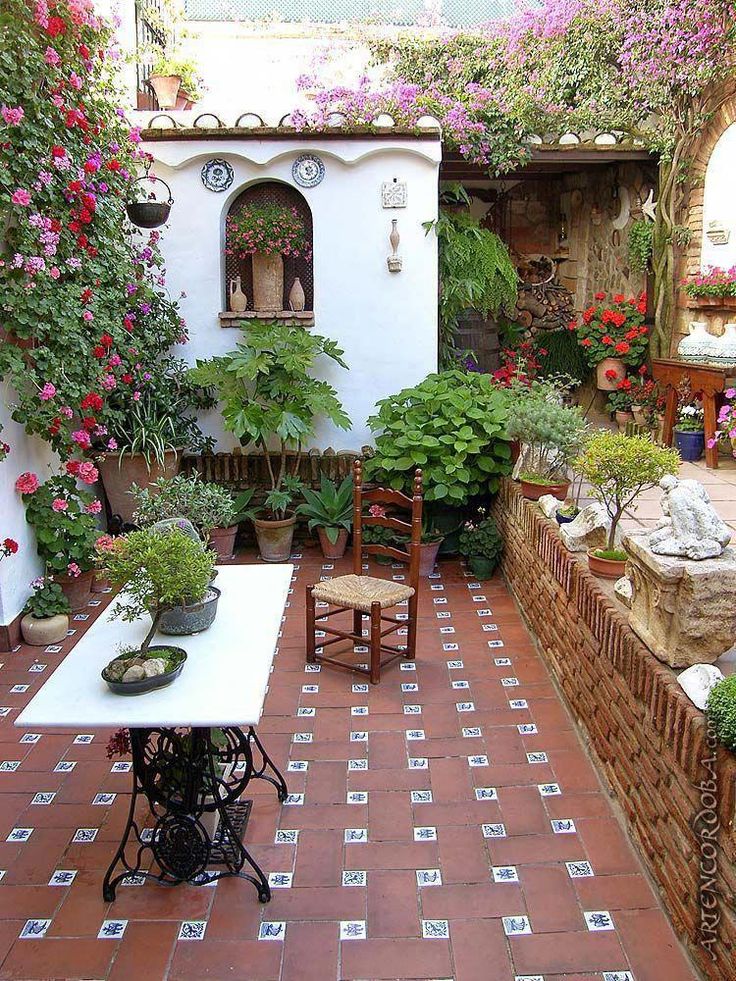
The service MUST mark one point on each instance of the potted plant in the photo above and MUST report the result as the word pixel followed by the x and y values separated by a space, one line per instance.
pixel 613 334
pixel 553 436
pixel 330 511
pixel 726 421
pixel 267 233
pixel 176 82
pixel 452 425
pixel 689 432
pixel 64 519
pixel 646 399
pixel 164 573
pixel 268 392
pixel 712 287
pixel 46 614
pixel 619 468
pixel 210 507
pixel 619 403
pixel 429 545
pixel 482 545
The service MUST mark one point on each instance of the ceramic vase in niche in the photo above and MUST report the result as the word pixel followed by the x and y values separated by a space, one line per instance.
pixel 238 299
pixel 268 281
pixel 297 298
pixel 724 347
pixel 698 345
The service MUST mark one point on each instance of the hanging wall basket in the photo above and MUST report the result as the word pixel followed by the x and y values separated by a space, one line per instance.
pixel 150 214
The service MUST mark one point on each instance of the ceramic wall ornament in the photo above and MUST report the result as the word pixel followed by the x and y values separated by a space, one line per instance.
pixel 238 299
pixel 394 261
pixel 297 298
pixel 698 345
pixel 649 208
pixel 717 233
pixel 724 347
pixel 308 170
pixel 217 175
pixel 394 194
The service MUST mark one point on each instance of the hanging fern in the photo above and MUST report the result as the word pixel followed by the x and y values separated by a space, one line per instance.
pixel 476 272
pixel 562 355
pixel 640 245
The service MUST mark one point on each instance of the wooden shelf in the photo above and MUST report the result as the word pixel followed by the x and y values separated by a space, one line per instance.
pixel 301 318
pixel 718 304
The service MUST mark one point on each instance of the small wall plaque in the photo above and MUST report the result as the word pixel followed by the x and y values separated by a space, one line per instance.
pixel 217 175
pixel 394 194
pixel 308 170
pixel 717 233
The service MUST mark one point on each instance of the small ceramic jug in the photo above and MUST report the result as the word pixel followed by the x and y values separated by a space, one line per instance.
pixel 238 299
pixel 296 296
pixel 698 345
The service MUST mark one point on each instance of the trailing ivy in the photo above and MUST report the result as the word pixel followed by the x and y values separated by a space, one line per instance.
pixel 640 245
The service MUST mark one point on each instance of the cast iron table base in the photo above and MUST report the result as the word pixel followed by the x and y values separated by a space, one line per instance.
pixel 184 776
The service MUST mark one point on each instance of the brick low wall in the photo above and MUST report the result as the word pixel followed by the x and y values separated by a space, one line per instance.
pixel 648 738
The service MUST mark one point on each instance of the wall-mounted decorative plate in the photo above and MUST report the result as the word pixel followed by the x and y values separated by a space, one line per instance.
pixel 308 170
pixel 217 175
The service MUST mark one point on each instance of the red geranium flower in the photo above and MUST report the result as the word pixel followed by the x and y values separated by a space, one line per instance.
pixel 600 296
pixel 623 347
pixel 99 351
pixel 606 339
pixel 92 401
pixel 611 375
pixel 619 298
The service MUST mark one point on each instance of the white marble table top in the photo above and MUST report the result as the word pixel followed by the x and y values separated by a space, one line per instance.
pixel 224 680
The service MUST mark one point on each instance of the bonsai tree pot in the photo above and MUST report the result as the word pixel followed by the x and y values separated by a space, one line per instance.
pixel 605 568
pixel 77 589
pixel 690 444
pixel 565 519
pixel 532 490
pixel 222 541
pixel 41 631
pixel 192 618
pixel 329 550
pixel 275 538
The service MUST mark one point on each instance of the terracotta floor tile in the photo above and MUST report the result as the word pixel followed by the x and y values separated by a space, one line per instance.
pixel 43 959
pixel 146 951
pixel 479 949
pixel 393 904
pixel 240 960
pixel 563 953
pixel 310 952
pixel 379 959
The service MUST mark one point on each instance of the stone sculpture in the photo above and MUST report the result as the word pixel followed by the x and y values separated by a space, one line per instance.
pixel 697 682
pixel 690 527
pixel 588 530
pixel 550 505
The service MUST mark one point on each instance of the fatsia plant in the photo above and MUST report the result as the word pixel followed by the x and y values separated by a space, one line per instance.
pixel 330 507
pixel 268 392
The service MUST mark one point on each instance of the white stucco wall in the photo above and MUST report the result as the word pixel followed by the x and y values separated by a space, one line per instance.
pixel 720 201
pixel 386 322
pixel 26 453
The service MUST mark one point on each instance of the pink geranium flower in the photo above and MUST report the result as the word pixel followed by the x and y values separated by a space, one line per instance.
pixel 47 392
pixel 94 507
pixel 21 196
pixel 87 472
pixel 59 504
pixel 12 114
pixel 81 438
pixel 74 570
pixel 27 483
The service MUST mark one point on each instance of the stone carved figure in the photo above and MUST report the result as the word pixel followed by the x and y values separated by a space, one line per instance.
pixel 690 527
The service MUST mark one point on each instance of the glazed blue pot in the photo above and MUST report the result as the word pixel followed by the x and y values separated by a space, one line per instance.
pixel 690 445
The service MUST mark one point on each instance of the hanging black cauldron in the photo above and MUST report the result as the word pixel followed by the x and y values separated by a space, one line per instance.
pixel 150 213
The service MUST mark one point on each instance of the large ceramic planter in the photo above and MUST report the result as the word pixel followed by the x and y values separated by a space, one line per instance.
pixel 182 621
pixel 428 557
pixel 77 589
pixel 166 88
pixel 222 541
pixel 481 567
pixel 119 473
pixel 690 445
pixel 41 631
pixel 275 538
pixel 268 282
pixel 606 568
pixel 532 491
pixel 329 550
pixel 623 419
pixel 607 365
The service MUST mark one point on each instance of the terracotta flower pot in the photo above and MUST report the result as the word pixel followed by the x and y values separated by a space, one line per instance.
pixel 268 281
pixel 428 557
pixel 606 568
pixel 329 550
pixel 166 88
pixel 606 365
pixel 222 541
pixel 275 538
pixel 532 491
pixel 183 99
pixel 77 589
pixel 120 473
pixel 100 584
pixel 41 631
pixel 623 419
pixel 515 445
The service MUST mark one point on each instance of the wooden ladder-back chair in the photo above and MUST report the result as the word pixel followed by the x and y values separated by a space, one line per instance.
pixel 367 596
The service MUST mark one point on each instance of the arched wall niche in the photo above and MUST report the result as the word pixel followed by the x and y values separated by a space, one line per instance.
pixel 273 192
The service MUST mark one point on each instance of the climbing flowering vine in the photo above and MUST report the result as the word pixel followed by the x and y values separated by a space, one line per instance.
pixel 83 303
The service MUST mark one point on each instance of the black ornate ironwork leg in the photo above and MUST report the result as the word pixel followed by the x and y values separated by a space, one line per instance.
pixel 267 763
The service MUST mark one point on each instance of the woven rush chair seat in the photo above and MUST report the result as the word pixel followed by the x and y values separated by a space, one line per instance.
pixel 359 592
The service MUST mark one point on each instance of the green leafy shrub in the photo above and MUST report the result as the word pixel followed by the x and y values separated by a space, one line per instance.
pixel 619 468
pixel 721 709
pixel 46 600
pixel 64 520
pixel 159 571
pixel 206 505
pixel 481 539
pixel 559 353
pixel 552 433
pixel 267 389
pixel 330 508
pixel 453 426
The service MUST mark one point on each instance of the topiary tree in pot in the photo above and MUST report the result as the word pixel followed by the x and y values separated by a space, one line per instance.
pixel 619 468
pixel 552 435
pixel 268 393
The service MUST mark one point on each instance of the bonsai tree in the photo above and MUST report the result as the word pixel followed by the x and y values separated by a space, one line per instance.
pixel 552 433
pixel 452 425
pixel 619 468
pixel 158 570
pixel 267 391
pixel 329 508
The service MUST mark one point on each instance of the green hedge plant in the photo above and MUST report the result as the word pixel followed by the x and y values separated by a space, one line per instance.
pixel 453 426
pixel 721 709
